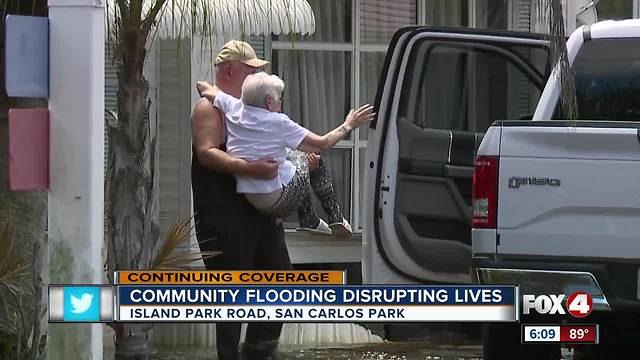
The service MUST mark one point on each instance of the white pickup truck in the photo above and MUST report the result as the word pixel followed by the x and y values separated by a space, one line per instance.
pixel 556 204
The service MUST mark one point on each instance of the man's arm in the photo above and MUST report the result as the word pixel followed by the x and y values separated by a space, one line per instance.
pixel 206 131
pixel 356 117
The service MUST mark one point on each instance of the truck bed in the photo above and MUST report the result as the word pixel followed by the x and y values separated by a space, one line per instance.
pixel 569 189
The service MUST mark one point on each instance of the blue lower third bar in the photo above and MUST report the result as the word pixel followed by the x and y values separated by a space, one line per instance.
pixel 317 303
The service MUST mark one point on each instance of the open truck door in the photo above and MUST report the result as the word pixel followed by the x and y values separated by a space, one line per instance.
pixel 440 89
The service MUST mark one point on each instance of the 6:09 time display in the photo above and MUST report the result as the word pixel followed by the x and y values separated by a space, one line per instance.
pixel 541 333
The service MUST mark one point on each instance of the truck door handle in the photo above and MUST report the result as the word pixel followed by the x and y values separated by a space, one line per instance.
pixel 638 134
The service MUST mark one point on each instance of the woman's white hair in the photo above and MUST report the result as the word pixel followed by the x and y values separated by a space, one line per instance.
pixel 257 87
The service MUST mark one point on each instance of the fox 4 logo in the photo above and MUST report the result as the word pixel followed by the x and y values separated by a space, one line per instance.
pixel 579 304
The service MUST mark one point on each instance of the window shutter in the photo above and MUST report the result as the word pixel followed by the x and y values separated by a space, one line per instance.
pixel 521 15
pixel 518 82
pixel 260 45
pixel 110 93
pixel 110 103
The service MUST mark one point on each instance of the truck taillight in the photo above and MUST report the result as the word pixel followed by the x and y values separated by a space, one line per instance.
pixel 485 193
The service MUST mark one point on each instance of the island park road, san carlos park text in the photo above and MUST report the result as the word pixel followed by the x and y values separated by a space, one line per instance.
pixel 268 313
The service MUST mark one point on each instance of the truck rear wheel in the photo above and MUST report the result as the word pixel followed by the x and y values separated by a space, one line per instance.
pixel 503 341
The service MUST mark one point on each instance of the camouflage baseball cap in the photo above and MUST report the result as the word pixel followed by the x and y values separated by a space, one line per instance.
pixel 236 50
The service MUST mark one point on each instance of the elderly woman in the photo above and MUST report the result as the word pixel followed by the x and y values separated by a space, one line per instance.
pixel 257 129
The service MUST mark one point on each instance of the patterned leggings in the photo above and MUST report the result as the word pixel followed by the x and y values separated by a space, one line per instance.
pixel 297 194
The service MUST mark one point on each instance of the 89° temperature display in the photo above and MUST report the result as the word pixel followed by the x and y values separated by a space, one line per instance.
pixel 585 334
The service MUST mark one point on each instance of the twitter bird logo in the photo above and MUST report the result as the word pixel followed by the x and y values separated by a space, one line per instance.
pixel 82 304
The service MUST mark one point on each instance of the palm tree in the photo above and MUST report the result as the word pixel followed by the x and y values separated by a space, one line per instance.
pixel 171 254
pixel 550 12
pixel 16 326
pixel 132 237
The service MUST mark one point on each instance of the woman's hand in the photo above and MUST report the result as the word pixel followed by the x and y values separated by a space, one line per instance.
pixel 359 116
pixel 313 160
pixel 355 118
pixel 207 90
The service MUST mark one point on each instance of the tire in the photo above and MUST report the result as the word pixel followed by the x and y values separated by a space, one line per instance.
pixel 503 342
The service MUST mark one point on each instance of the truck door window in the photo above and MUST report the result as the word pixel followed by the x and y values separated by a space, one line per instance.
pixel 467 86
pixel 607 75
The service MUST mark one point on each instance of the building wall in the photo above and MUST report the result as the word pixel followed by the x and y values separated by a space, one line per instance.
pixel 339 66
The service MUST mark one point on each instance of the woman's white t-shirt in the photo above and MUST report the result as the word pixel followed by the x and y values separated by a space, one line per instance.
pixel 255 133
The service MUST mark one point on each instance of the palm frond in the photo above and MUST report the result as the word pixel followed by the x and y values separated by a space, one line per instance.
pixel 13 267
pixel 185 260
pixel 551 14
pixel 173 254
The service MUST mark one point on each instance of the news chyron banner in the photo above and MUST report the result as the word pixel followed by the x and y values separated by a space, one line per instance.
pixel 231 277
pixel 280 296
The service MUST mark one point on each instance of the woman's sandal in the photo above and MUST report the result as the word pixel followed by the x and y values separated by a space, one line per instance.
pixel 341 229
pixel 321 229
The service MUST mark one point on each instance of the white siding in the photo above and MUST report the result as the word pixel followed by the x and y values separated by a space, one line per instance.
pixel 174 130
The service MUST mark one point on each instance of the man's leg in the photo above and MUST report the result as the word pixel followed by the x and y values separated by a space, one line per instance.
pixel 227 340
pixel 210 239
pixel 251 241
pixel 272 254
pixel 235 250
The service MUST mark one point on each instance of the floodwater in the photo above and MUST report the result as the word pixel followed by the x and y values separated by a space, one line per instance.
pixel 390 351
pixel 439 342
pixel 380 351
